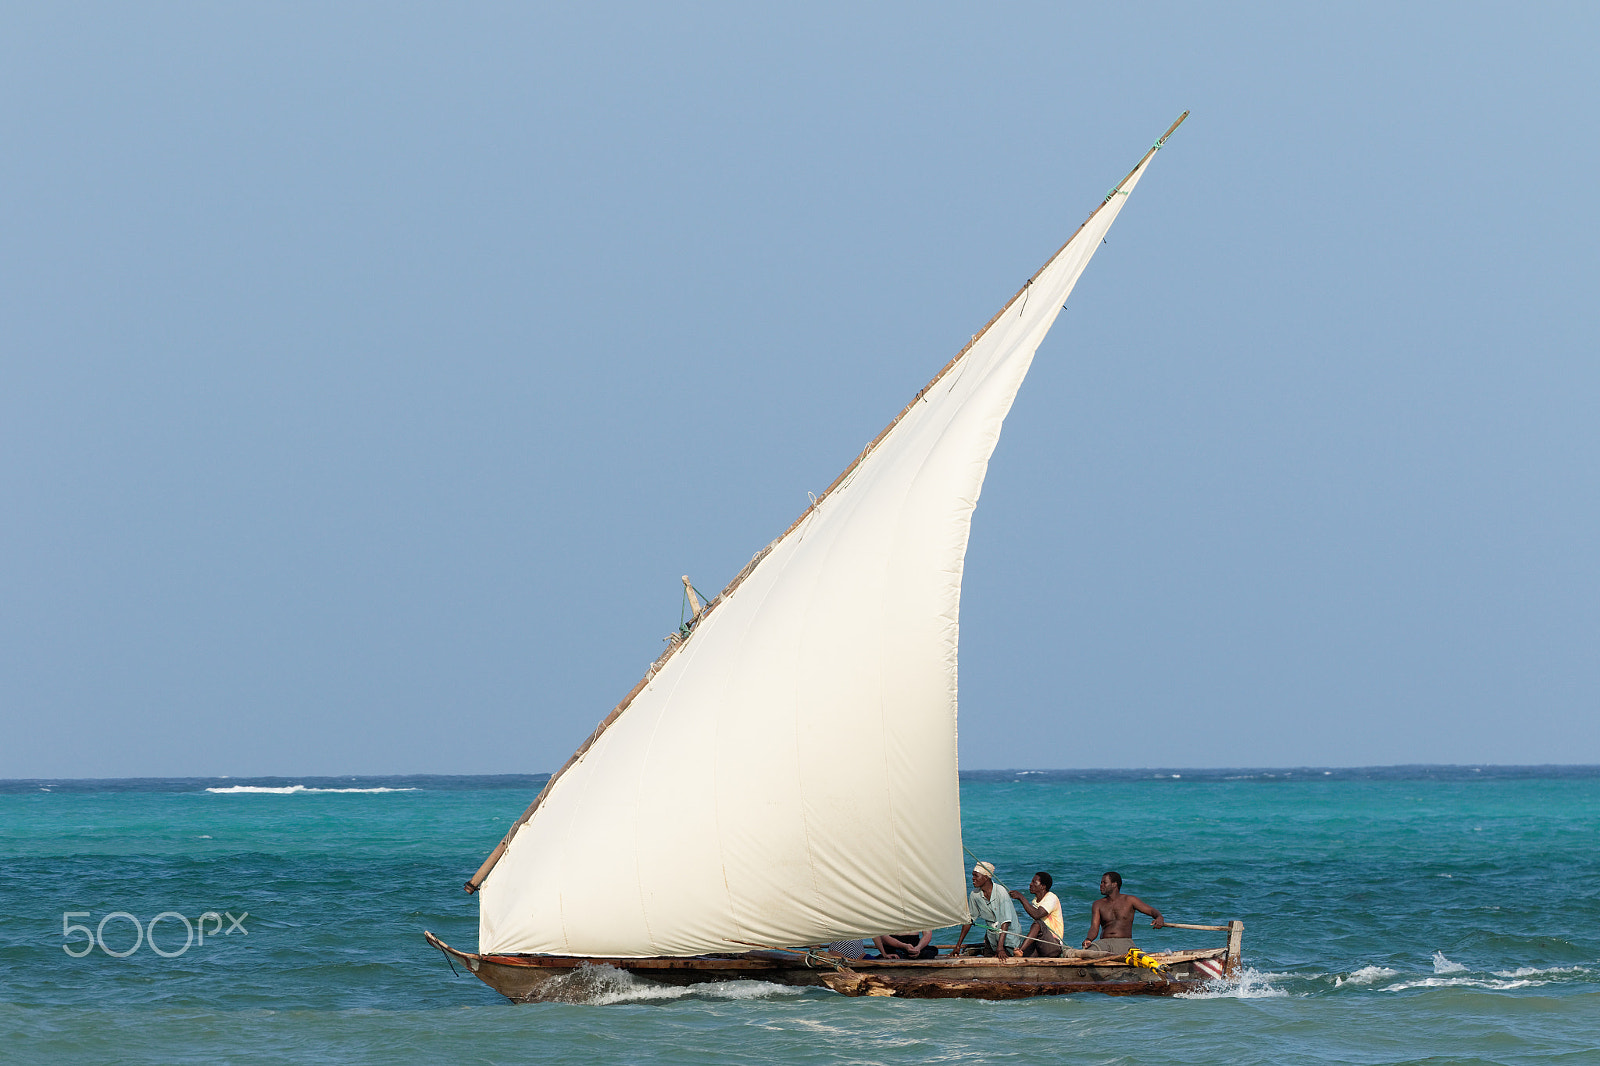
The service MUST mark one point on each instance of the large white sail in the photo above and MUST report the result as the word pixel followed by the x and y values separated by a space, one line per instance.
pixel 788 776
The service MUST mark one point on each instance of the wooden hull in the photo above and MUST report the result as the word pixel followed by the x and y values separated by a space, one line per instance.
pixel 536 978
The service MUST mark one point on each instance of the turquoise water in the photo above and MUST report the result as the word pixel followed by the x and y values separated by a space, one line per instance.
pixel 1440 915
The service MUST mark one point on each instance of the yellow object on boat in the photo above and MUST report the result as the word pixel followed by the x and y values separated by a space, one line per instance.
pixel 1135 957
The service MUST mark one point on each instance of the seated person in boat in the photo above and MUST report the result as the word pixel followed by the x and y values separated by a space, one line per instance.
pixel 990 906
pixel 1111 920
pixel 907 945
pixel 1044 939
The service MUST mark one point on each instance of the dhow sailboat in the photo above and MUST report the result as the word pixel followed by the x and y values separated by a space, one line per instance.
pixel 785 774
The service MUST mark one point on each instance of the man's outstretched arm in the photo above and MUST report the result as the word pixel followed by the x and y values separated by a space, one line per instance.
pixel 1156 921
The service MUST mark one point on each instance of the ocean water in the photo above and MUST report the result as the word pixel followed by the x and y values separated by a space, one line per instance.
pixel 1397 915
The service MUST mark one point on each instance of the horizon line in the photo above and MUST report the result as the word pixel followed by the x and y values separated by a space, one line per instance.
pixel 1281 768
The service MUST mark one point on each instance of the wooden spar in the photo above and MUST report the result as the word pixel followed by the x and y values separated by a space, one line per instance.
pixel 655 667
pixel 694 597
pixel 1207 928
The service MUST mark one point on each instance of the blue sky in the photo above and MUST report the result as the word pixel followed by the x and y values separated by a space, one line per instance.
pixel 369 374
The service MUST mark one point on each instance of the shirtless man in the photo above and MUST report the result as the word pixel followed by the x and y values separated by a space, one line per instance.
pixel 1111 920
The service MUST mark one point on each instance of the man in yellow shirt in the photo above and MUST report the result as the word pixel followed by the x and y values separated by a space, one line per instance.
pixel 1044 939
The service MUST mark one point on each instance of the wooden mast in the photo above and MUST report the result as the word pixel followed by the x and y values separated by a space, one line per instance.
pixel 655 667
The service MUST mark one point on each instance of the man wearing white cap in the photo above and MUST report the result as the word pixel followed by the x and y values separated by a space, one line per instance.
pixel 991 908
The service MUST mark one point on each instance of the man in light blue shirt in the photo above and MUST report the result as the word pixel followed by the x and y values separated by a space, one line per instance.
pixel 991 908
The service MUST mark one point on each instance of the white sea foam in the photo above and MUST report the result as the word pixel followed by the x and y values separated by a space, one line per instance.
pixel 1535 971
pixel 1501 981
pixel 288 790
pixel 1245 984
pixel 604 985
pixel 1462 982
pixel 1365 976
pixel 743 990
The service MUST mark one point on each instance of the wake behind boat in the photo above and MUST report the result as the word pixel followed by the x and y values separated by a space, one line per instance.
pixel 838 637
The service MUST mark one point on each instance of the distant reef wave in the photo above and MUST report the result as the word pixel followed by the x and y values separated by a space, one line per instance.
pixel 286 790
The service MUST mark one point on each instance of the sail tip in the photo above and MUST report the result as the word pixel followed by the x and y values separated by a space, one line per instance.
pixel 1175 124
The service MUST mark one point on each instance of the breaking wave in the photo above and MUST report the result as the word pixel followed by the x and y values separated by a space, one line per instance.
pixel 1365 976
pixel 1537 971
pixel 287 790
pixel 1245 984
pixel 603 985
pixel 1492 984
pixel 1495 981
pixel 1450 974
